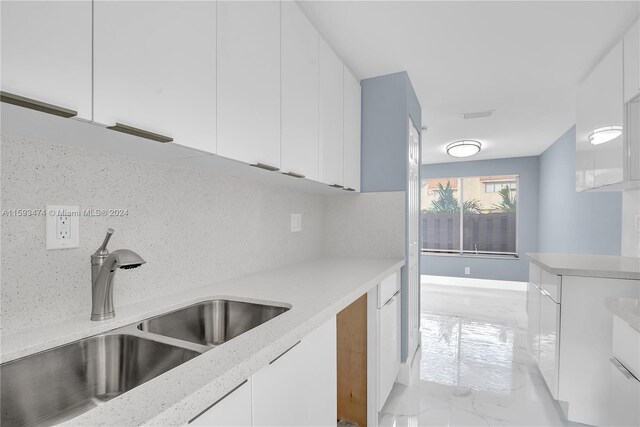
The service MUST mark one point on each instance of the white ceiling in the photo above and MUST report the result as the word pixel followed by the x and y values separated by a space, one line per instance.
pixel 523 59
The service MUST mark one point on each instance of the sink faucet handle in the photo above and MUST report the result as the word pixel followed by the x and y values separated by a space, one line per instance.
pixel 102 250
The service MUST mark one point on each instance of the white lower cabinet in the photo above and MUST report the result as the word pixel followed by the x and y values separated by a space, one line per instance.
pixel 299 388
pixel 533 315
pixel 549 342
pixel 388 347
pixel 232 410
pixel 625 395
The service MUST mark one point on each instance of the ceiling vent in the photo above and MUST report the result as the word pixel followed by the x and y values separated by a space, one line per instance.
pixel 477 114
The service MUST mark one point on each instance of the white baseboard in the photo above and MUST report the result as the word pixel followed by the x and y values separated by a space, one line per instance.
pixel 474 283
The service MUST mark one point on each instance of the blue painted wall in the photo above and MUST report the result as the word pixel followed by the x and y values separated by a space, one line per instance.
pixel 492 268
pixel 571 222
pixel 553 216
pixel 387 102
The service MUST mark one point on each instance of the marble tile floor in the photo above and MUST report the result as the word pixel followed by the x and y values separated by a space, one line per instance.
pixel 474 367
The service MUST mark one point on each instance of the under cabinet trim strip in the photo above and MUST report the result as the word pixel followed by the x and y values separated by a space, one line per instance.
pixel 265 167
pixel 21 101
pixel 284 352
pixel 119 127
pixel 217 401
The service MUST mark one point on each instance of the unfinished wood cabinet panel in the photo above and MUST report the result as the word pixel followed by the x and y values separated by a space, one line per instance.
pixel 352 362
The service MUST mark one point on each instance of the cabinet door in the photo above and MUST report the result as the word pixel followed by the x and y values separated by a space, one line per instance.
pixel 533 314
pixel 609 157
pixel 549 342
pixel 599 105
pixel 300 387
pixel 233 410
pixel 299 93
pixel 155 68
pixel 388 347
pixel 624 396
pixel 331 117
pixel 46 52
pixel 632 63
pixel 249 81
pixel 352 107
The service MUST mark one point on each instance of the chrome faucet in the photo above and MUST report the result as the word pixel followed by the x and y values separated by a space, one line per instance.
pixel 103 268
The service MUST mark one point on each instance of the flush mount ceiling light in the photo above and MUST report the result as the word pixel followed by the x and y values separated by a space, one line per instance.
pixel 605 134
pixel 464 148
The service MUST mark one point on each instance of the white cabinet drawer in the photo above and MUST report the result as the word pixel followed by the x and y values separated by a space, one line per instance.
pixel 534 273
pixel 551 284
pixel 232 410
pixel 626 345
pixel 388 287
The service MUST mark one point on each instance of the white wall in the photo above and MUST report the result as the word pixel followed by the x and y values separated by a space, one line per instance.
pixel 193 228
pixel 630 236
pixel 366 225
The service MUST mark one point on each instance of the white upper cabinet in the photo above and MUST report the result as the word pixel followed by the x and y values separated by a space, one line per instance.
pixel 155 68
pixel 46 52
pixel 249 81
pixel 331 117
pixel 600 105
pixel 352 109
pixel 632 63
pixel 299 93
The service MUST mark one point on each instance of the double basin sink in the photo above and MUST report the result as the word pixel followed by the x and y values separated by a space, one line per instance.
pixel 58 384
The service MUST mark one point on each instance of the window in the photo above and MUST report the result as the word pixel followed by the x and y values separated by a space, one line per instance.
pixel 486 224
pixel 496 187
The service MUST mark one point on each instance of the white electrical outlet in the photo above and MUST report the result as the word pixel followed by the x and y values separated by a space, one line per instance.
pixel 296 222
pixel 467 270
pixel 63 227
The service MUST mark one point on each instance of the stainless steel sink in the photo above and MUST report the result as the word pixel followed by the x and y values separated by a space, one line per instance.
pixel 58 384
pixel 213 322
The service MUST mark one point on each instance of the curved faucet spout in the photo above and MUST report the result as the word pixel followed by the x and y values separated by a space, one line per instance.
pixel 103 268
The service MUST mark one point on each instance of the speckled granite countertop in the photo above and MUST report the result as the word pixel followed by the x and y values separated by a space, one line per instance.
pixel 628 309
pixel 612 267
pixel 316 290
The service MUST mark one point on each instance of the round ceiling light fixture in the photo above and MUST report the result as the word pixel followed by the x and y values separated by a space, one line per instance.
pixel 605 134
pixel 464 148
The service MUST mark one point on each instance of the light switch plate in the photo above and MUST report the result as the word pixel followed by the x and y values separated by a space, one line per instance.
pixel 296 222
pixel 63 227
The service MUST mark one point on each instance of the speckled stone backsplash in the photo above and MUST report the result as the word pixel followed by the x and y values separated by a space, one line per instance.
pixel 191 227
